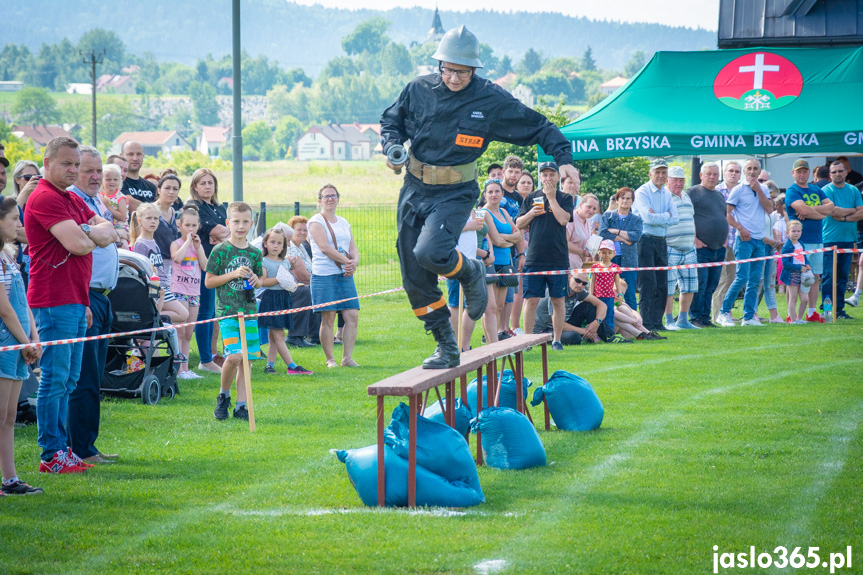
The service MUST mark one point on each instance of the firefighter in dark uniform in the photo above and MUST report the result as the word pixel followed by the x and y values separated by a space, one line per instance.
pixel 450 118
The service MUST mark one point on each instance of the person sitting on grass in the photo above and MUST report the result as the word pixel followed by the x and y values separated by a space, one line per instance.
pixel 276 298
pixel 792 269
pixel 18 326
pixel 628 322
pixel 605 282
pixel 234 270
pixel 586 320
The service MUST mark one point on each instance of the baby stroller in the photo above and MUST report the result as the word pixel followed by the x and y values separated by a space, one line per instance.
pixel 133 368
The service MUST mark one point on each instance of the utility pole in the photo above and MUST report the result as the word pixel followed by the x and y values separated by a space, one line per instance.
pixel 92 57
pixel 237 139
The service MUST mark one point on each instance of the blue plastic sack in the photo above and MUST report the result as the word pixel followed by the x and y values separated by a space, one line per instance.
pixel 462 414
pixel 432 490
pixel 509 440
pixel 572 402
pixel 440 448
pixel 507 392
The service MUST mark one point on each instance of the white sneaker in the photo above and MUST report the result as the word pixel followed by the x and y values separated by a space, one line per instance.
pixel 189 375
pixel 725 320
pixel 752 321
pixel 519 331
pixel 672 327
pixel 854 300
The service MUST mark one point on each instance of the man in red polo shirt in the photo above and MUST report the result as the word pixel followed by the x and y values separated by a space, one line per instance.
pixel 61 231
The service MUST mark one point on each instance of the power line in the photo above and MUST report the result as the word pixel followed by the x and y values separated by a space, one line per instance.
pixel 92 57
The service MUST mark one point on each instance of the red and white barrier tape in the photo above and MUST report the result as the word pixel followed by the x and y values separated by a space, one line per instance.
pixel 393 290
pixel 684 266
pixel 21 346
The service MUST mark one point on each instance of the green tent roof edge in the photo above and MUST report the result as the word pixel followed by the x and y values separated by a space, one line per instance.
pixel 655 142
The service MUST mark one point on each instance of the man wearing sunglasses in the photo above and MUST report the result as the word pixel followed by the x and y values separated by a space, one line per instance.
pixel 450 118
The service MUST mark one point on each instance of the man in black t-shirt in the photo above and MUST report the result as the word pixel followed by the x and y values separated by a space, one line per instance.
pixel 135 187
pixel 545 213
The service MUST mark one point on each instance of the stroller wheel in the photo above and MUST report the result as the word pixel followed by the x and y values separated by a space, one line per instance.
pixel 168 390
pixel 151 390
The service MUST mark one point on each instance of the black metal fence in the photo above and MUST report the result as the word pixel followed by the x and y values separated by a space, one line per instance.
pixel 374 229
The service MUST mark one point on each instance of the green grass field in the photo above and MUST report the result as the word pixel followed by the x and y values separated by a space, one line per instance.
pixel 730 437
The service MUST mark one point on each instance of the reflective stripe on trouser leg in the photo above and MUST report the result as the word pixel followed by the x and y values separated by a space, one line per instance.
pixel 430 219
pixel 458 266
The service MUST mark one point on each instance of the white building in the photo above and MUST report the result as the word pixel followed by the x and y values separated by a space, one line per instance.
pixel 213 139
pixel 153 142
pixel 334 142
pixel 79 88
pixel 613 85
pixel 10 86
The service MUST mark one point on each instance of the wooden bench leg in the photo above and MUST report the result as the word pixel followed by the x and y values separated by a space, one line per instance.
pixel 518 372
pixel 463 382
pixel 450 403
pixel 544 381
pixel 491 383
pixel 412 451
pixel 479 462
pixel 381 469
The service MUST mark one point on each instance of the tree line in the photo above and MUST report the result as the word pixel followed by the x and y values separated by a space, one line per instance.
pixel 354 86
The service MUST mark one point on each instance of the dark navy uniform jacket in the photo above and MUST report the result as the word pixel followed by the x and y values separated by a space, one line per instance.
pixel 449 128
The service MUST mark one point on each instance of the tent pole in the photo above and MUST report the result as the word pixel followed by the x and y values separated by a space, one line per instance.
pixel 696 170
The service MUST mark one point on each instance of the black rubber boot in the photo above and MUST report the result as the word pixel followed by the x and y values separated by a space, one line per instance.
pixel 446 355
pixel 472 282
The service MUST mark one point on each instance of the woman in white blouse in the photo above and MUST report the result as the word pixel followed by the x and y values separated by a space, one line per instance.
pixel 334 262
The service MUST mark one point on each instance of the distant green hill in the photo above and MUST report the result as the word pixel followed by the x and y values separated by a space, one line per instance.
pixel 308 36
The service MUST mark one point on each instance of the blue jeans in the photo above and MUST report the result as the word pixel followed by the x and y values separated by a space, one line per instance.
pixel 61 367
pixel 769 283
pixel 609 315
pixel 843 268
pixel 748 276
pixel 708 279
pixel 204 331
pixel 82 424
pixel 630 278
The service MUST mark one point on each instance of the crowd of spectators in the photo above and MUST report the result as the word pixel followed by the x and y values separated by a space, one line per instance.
pixel 65 223
pixel 662 223
pixel 63 226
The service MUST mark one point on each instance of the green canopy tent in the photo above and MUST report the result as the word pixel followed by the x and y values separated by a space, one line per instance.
pixel 762 101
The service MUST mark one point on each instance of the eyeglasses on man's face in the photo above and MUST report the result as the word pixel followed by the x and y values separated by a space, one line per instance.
pixel 462 74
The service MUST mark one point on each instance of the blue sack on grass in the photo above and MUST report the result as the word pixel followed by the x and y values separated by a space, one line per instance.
pixel 440 448
pixel 572 402
pixel 432 490
pixel 462 415
pixel 507 392
pixel 509 440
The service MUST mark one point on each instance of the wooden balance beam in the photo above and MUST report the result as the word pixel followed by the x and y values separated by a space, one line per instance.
pixel 416 381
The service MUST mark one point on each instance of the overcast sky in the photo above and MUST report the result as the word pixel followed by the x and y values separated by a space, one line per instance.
pixel 691 13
